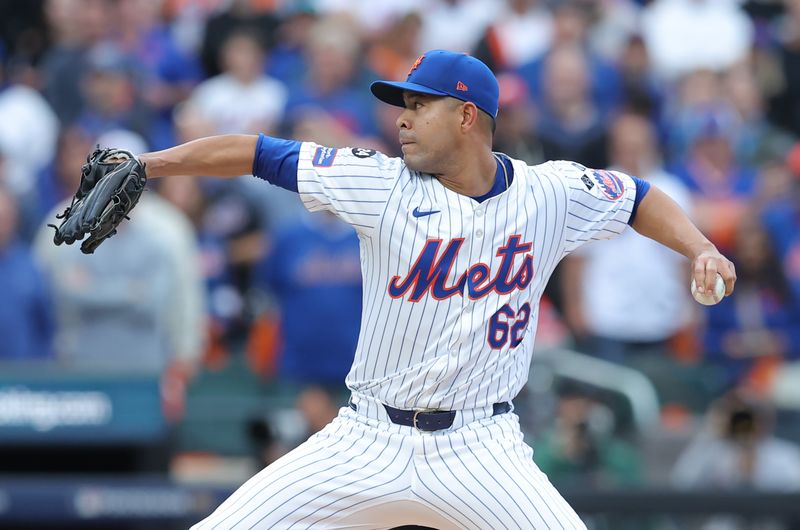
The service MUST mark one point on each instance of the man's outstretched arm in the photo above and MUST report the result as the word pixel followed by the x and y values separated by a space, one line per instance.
pixel 661 219
pixel 216 156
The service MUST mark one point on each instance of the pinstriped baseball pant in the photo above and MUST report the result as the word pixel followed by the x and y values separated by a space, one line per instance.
pixel 365 473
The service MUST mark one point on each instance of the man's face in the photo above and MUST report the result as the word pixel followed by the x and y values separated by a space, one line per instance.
pixel 427 131
pixel 243 58
pixel 632 144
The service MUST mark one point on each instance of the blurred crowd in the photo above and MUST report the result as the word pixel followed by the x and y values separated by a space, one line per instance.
pixel 700 97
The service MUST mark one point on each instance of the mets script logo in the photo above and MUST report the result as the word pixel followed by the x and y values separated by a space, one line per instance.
pixel 610 184
pixel 430 272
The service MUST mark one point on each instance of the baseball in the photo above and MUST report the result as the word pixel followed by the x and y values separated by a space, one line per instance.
pixel 710 298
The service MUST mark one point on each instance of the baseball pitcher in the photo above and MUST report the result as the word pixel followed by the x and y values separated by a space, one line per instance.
pixel 457 244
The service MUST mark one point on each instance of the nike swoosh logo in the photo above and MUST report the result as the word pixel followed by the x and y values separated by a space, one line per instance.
pixel 417 213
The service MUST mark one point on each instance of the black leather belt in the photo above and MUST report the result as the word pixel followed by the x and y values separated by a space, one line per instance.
pixel 431 420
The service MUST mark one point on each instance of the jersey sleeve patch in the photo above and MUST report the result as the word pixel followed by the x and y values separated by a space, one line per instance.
pixel 362 152
pixel 610 184
pixel 324 156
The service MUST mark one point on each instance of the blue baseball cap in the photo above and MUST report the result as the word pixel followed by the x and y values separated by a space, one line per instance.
pixel 444 73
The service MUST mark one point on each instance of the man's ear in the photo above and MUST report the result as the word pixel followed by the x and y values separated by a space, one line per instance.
pixel 469 115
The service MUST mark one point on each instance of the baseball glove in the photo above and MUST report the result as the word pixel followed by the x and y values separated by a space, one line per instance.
pixel 112 180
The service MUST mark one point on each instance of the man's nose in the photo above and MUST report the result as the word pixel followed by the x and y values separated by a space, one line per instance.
pixel 402 121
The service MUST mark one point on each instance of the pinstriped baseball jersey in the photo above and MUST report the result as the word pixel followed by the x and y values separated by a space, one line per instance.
pixel 452 285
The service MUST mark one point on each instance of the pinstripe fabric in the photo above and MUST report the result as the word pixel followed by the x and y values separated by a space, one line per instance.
pixel 451 298
pixel 433 353
pixel 364 473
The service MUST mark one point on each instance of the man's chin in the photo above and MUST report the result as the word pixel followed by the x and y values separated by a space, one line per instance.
pixel 413 163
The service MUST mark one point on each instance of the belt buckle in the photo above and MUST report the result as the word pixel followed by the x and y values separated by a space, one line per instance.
pixel 414 419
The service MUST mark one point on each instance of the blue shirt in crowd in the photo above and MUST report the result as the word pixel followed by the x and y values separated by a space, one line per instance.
pixel 314 269
pixel 26 311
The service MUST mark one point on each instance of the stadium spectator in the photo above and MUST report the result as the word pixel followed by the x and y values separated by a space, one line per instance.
pixel 736 450
pixel 570 125
pixel 614 23
pixel 571 20
pixel 641 90
pixel 651 319
pixel 313 270
pixel 288 61
pixel 781 218
pixel 471 17
pixel 699 93
pixel 676 32
pixel 28 133
pixel 241 98
pixel 395 48
pixel 146 36
pixel 224 298
pixel 373 18
pixel 522 32
pixel 113 99
pixel 757 326
pixel 313 267
pixel 22 31
pixel 329 86
pixel 249 15
pixel 75 26
pixel 757 141
pixel 167 71
pixel 137 304
pixel 626 326
pixel 26 309
pixel 581 448
pixel 720 186
pixel 229 222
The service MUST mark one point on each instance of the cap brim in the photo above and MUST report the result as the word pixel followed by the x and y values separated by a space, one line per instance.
pixel 391 92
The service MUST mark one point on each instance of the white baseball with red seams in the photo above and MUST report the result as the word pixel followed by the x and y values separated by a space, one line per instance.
pixel 709 298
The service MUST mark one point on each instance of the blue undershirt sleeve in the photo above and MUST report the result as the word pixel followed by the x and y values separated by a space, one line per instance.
pixel 642 187
pixel 276 161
